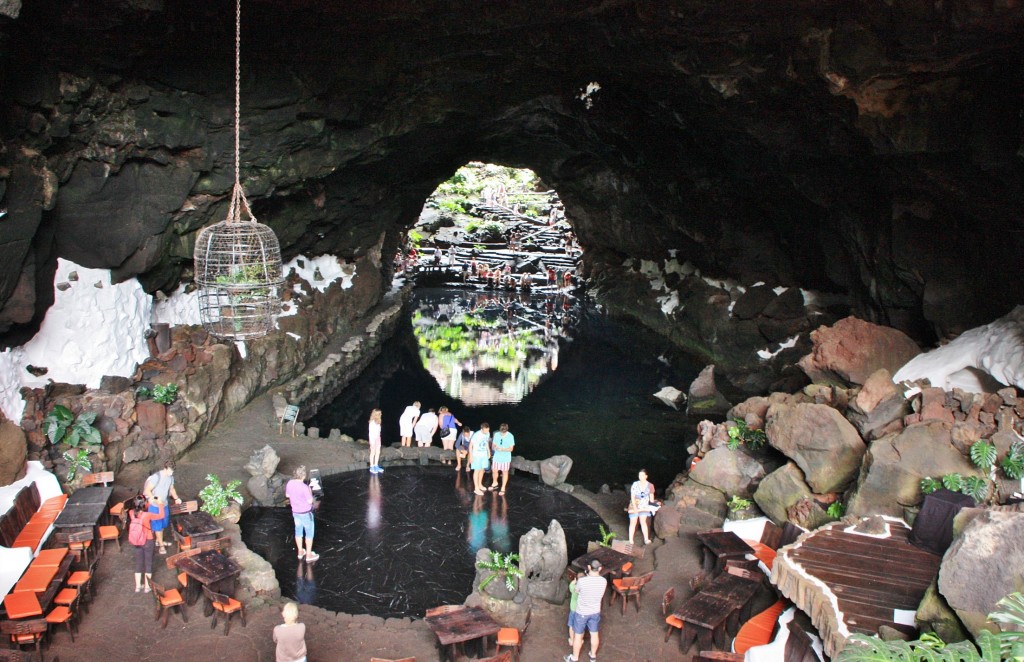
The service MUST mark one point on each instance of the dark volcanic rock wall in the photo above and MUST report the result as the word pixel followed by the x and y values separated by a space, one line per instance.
pixel 868 148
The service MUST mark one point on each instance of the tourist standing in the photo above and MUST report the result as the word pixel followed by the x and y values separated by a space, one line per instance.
pixel 587 616
pixel 425 428
pixel 290 636
pixel 574 598
pixel 462 448
pixel 161 484
pixel 641 497
pixel 374 439
pixel 407 421
pixel 139 516
pixel 452 255
pixel 449 429
pixel 480 456
pixel 301 499
pixel 503 444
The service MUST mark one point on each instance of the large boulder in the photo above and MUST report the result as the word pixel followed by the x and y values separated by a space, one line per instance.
pixel 543 558
pixel 13 452
pixel 849 351
pixel 780 490
pixel 704 399
pixel 824 445
pixel 983 564
pixel 732 472
pixel 935 615
pixel 555 469
pixel 692 507
pixel 878 406
pixel 895 464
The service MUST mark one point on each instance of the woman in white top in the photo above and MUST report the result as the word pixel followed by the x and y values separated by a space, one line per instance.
pixel 641 498
pixel 425 428
pixel 374 439
pixel 407 421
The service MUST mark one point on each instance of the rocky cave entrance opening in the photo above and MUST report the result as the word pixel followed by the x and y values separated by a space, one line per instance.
pixel 493 225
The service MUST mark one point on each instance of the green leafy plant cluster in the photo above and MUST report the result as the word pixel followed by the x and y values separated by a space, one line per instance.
pixel 1013 464
pixel 836 510
pixel 165 394
pixel 990 646
pixel 453 205
pixel 738 503
pixel 606 536
pixel 415 238
pixel 983 454
pixel 741 433
pixel 216 497
pixel 975 487
pixel 499 565
pixel 75 432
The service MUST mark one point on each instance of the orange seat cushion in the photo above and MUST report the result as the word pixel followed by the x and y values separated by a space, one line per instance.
pixel 232 606
pixel 763 553
pixel 56 502
pixel 627 567
pixel 22 605
pixel 617 583
pixel 171 598
pixel 109 532
pixel 183 578
pixel 25 638
pixel 78 578
pixel 117 508
pixel 674 621
pixel 758 630
pixel 66 596
pixel 50 557
pixel 508 637
pixel 58 614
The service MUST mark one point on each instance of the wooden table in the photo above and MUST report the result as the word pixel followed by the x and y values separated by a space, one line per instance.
pixel 611 561
pixel 710 614
pixel 199 526
pixel 211 569
pixel 462 625
pixel 84 508
pixel 719 547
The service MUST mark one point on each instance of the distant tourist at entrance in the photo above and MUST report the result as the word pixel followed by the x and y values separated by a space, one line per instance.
pixel 374 439
pixel 406 422
pixel 425 429
pixel 503 444
pixel 480 456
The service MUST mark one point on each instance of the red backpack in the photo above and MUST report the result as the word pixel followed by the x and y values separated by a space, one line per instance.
pixel 137 530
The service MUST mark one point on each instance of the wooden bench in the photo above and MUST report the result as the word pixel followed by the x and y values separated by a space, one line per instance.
pixel 27 521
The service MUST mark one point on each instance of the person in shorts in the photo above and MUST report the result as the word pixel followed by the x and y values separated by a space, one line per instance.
pixel 480 456
pixel 161 484
pixel 587 617
pixel 503 444
pixel 301 499
pixel 449 427
pixel 462 448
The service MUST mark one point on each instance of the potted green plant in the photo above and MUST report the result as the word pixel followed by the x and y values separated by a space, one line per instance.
pixel 504 567
pixel 77 433
pixel 217 498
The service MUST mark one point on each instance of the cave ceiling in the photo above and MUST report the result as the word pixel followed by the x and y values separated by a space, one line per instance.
pixel 871 148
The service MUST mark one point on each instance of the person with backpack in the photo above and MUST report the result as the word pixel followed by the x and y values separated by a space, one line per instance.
pixel 140 535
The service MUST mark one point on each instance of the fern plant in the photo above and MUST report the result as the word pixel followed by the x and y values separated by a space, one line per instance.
pixel 606 536
pixel 975 487
pixel 507 565
pixel 836 510
pixel 1013 464
pixel 929 485
pixel 953 482
pixel 740 432
pixel 983 454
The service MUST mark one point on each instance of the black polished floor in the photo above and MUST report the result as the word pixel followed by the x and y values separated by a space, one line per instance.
pixel 401 542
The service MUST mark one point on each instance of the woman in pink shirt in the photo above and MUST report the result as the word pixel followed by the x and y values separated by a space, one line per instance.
pixel 301 499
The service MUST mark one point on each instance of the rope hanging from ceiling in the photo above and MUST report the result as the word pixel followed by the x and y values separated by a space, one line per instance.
pixel 238 260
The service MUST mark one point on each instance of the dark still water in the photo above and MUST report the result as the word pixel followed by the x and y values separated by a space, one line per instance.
pixel 404 541
pixel 567 379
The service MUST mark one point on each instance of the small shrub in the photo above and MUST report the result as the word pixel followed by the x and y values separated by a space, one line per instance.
pixel 507 565
pixel 953 482
pixel 165 394
pixel 836 510
pixel 63 426
pixel 741 433
pixel 983 454
pixel 929 485
pixel 1013 464
pixel 216 497
pixel 975 487
pixel 606 536
pixel 77 461
pixel 738 503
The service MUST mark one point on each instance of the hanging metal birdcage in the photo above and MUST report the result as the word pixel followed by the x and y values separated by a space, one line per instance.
pixel 238 270
pixel 238 261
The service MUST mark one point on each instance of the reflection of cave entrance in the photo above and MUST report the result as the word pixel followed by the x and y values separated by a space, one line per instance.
pixel 492 225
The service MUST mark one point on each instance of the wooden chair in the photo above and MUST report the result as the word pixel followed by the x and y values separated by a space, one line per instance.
pixel 291 413
pixel 225 605
pixel 26 632
pixel 444 609
pixel 183 542
pixel 671 620
pixel 184 507
pixel 624 548
pixel 752 575
pixel 64 615
pixel 78 543
pixel 98 478
pixel 166 600
pixel 82 581
pixel 220 544
pixel 172 564
pixel 106 532
pixel 512 638
pixel 629 587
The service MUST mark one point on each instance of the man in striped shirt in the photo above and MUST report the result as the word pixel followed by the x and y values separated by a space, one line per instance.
pixel 587 616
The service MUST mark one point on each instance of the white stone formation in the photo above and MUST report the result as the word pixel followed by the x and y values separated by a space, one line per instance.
pixel 996 349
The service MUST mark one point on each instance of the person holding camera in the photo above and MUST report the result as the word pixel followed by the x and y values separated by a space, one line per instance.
pixel 300 496
pixel 587 616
